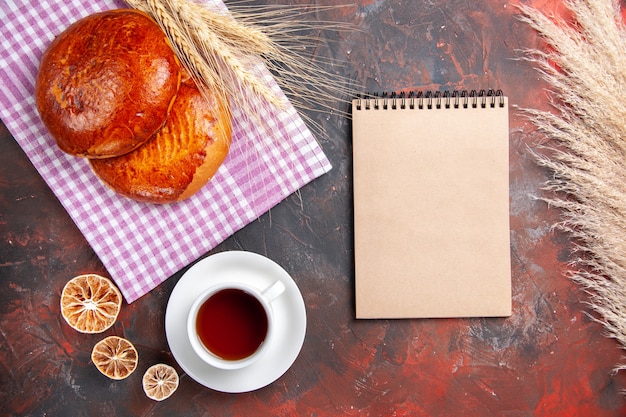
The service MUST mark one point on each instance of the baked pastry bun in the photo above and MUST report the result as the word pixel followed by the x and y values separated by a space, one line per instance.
pixel 180 158
pixel 106 84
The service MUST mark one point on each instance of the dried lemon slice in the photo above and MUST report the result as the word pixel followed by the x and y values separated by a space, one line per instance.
pixel 115 357
pixel 160 381
pixel 90 303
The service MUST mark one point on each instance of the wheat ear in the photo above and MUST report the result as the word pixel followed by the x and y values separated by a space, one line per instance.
pixel 213 63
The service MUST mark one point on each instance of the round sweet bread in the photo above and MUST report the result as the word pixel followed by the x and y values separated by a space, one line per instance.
pixel 180 158
pixel 106 84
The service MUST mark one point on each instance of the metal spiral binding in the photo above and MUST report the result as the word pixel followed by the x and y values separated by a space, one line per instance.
pixel 431 100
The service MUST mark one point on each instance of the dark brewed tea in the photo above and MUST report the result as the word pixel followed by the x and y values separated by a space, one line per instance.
pixel 232 324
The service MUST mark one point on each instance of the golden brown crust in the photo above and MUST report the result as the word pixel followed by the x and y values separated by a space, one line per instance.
pixel 106 84
pixel 180 158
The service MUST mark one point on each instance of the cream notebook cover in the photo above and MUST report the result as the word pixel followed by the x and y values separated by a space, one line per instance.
pixel 431 205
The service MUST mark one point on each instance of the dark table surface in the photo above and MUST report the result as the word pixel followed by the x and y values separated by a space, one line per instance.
pixel 547 359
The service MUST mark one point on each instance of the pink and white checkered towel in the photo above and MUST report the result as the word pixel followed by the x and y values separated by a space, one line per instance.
pixel 141 245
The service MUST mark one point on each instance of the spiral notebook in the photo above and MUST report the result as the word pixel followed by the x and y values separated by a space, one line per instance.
pixel 431 205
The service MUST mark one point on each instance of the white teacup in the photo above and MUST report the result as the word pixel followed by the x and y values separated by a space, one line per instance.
pixel 231 324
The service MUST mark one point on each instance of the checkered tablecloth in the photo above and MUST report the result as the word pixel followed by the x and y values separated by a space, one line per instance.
pixel 141 245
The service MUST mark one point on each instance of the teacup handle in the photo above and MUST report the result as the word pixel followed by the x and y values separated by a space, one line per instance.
pixel 274 291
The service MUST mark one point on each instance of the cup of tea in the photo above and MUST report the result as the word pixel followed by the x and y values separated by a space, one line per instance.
pixel 230 325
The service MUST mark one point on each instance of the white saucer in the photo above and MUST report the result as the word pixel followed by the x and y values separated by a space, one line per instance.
pixel 290 315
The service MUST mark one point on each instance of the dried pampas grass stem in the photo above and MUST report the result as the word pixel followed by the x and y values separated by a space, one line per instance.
pixel 586 69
